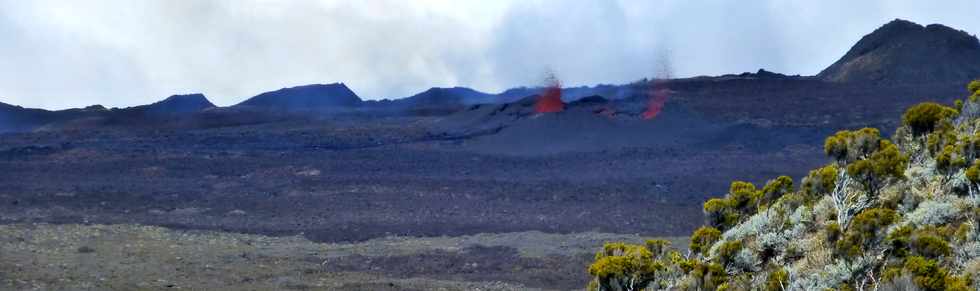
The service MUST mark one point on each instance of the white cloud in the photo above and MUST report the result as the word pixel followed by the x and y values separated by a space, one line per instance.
pixel 59 54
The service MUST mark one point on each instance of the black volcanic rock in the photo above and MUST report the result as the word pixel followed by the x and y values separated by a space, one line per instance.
pixel 178 104
pixel 309 97
pixel 449 96
pixel 590 100
pixel 903 52
pixel 17 118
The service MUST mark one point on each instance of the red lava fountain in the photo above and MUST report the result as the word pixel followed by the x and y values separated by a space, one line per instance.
pixel 658 92
pixel 550 99
pixel 658 97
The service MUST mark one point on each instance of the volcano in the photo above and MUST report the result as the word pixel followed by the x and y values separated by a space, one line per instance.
pixel 905 52
pixel 308 97
pixel 178 104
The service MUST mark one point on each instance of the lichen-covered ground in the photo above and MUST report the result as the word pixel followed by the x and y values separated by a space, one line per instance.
pixel 137 257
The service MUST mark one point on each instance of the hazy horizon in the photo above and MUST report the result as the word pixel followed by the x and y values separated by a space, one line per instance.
pixel 64 54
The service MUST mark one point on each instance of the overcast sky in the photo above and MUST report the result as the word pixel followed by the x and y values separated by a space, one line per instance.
pixel 72 53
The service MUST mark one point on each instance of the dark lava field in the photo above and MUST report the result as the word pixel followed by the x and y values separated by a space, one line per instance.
pixel 351 180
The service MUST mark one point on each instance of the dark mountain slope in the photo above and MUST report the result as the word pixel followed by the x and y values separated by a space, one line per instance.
pixel 903 51
pixel 304 98
pixel 177 104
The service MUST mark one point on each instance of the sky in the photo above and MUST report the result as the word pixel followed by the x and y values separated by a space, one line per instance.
pixel 58 54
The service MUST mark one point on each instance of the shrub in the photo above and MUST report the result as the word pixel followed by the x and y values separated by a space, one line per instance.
pixel 819 182
pixel 963 232
pixel 884 164
pixel 833 232
pixel 927 274
pixel 923 117
pixel 835 146
pixel 791 200
pixel 942 136
pixel 863 230
pixel 620 265
pixel 931 246
pixel 743 197
pixel 720 214
pixel 775 189
pixel 728 251
pixel 872 220
pixel 707 276
pixel 658 247
pixel 974 89
pixel 932 212
pixel 777 280
pixel 900 241
pixel 973 176
pixel 848 146
pixel 703 239
pixel 897 282
pixel 949 160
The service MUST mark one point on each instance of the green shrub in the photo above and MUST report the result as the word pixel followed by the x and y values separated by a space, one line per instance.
pixel 963 232
pixel 835 146
pixel 888 162
pixel 743 197
pixel 900 241
pixel 707 276
pixel 775 189
pixel 974 89
pixel 728 251
pixel 873 219
pixel 923 117
pixel 863 230
pixel 833 232
pixel 619 265
pixel 949 160
pixel 928 275
pixel 931 246
pixel 777 280
pixel 848 146
pixel 658 247
pixel 720 214
pixel 973 173
pixel 791 201
pixel 703 239
pixel 937 141
pixel 819 182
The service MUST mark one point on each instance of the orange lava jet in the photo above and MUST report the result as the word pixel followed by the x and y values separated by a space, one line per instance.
pixel 550 99
pixel 658 97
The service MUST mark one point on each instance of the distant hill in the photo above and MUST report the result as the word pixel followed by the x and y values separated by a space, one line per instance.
pixel 461 96
pixel 178 104
pixel 304 98
pixel 446 96
pixel 903 51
